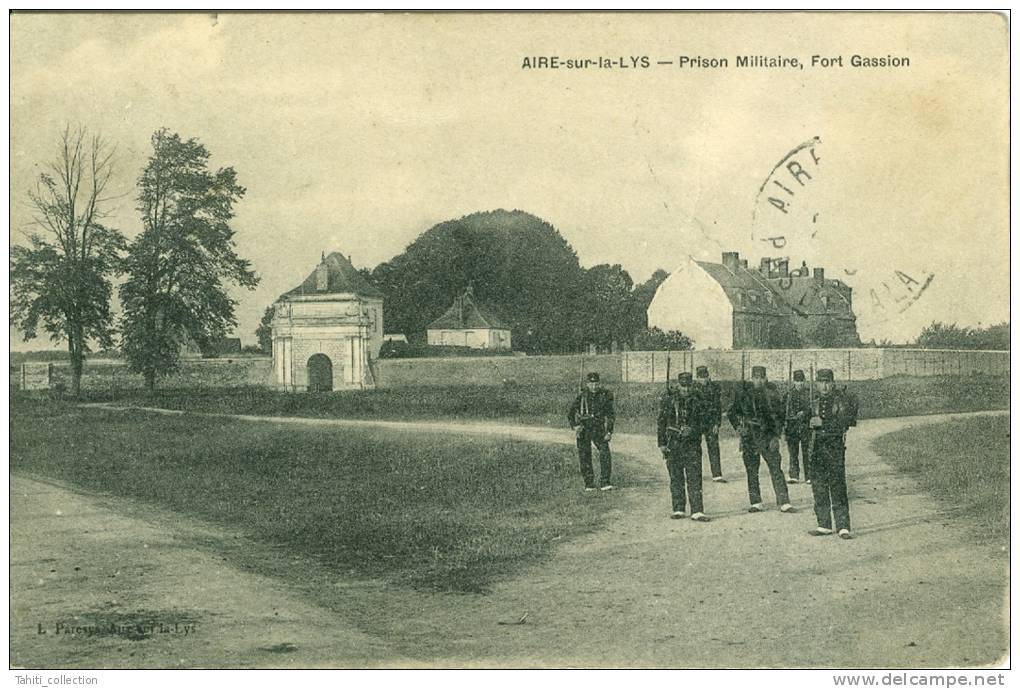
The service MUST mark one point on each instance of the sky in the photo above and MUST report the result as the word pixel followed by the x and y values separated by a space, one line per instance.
pixel 356 133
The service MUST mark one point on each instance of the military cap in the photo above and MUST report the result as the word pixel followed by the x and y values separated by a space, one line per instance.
pixel 757 371
pixel 702 371
pixel 798 375
pixel 593 377
pixel 824 374
pixel 684 378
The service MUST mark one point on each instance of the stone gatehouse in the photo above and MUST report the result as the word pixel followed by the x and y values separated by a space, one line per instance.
pixel 327 330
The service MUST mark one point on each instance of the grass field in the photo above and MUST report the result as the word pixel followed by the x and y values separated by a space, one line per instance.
pixel 426 510
pixel 964 463
pixel 636 404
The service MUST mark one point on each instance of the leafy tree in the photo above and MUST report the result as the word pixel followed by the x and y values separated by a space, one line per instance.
pixel 525 273
pixel 993 337
pixel 61 281
pixel 645 292
pixel 179 264
pixel 264 332
pixel 608 312
pixel 940 335
pixel 521 268
pixel 655 339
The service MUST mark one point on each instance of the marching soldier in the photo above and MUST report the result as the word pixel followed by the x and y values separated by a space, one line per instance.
pixel 834 411
pixel 592 418
pixel 757 415
pixel 797 406
pixel 680 426
pixel 711 405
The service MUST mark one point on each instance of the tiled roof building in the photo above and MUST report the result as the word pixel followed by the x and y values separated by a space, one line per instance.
pixel 768 306
pixel 468 324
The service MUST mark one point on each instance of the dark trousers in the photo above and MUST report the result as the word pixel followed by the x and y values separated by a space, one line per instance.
pixel 828 482
pixel 684 467
pixel 584 443
pixel 754 447
pixel 797 445
pixel 712 443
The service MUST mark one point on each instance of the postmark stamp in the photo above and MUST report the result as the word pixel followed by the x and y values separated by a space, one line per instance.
pixel 799 214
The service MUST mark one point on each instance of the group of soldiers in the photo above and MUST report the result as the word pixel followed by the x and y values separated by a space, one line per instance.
pixel 813 422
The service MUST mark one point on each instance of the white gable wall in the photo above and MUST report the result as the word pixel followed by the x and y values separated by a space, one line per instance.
pixel 690 301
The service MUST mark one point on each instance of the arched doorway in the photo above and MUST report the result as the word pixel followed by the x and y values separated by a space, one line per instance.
pixel 320 373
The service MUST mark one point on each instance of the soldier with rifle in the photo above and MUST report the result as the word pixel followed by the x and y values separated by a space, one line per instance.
pixel 679 428
pixel 833 412
pixel 711 404
pixel 592 416
pixel 797 408
pixel 757 415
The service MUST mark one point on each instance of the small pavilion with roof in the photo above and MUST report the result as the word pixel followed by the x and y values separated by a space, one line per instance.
pixel 468 324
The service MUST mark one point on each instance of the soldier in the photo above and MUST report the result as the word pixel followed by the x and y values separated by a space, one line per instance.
pixel 756 414
pixel 797 408
pixel 679 433
pixel 834 412
pixel 592 418
pixel 711 405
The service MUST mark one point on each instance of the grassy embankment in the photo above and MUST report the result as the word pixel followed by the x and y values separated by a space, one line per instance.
pixel 547 405
pixel 427 510
pixel 963 463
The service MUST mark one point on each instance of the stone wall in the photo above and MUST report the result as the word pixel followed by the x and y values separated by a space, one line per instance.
pixel 494 370
pixel 113 375
pixel 846 364
pixel 628 367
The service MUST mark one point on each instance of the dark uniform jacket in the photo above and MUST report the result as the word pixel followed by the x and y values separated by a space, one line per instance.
pixel 838 411
pixel 711 403
pixel 681 420
pixel 757 410
pixel 594 411
pixel 797 411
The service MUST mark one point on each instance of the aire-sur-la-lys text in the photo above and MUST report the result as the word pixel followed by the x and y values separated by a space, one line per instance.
pixel 698 62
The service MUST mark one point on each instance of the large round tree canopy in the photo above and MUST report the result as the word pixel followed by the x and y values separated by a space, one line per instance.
pixel 518 265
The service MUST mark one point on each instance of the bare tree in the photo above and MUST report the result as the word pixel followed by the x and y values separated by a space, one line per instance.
pixel 61 281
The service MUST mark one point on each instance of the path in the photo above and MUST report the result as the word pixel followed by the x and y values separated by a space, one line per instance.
pixel 912 590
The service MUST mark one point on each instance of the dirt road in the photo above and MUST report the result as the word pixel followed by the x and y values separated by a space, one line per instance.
pixel 912 590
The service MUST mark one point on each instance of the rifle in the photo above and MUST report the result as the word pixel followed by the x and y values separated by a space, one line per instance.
pixel 814 412
pixel 682 427
pixel 789 390
pixel 584 411
pixel 668 356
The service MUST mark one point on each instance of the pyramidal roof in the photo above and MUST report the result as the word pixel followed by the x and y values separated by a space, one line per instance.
pixel 334 275
pixel 466 314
